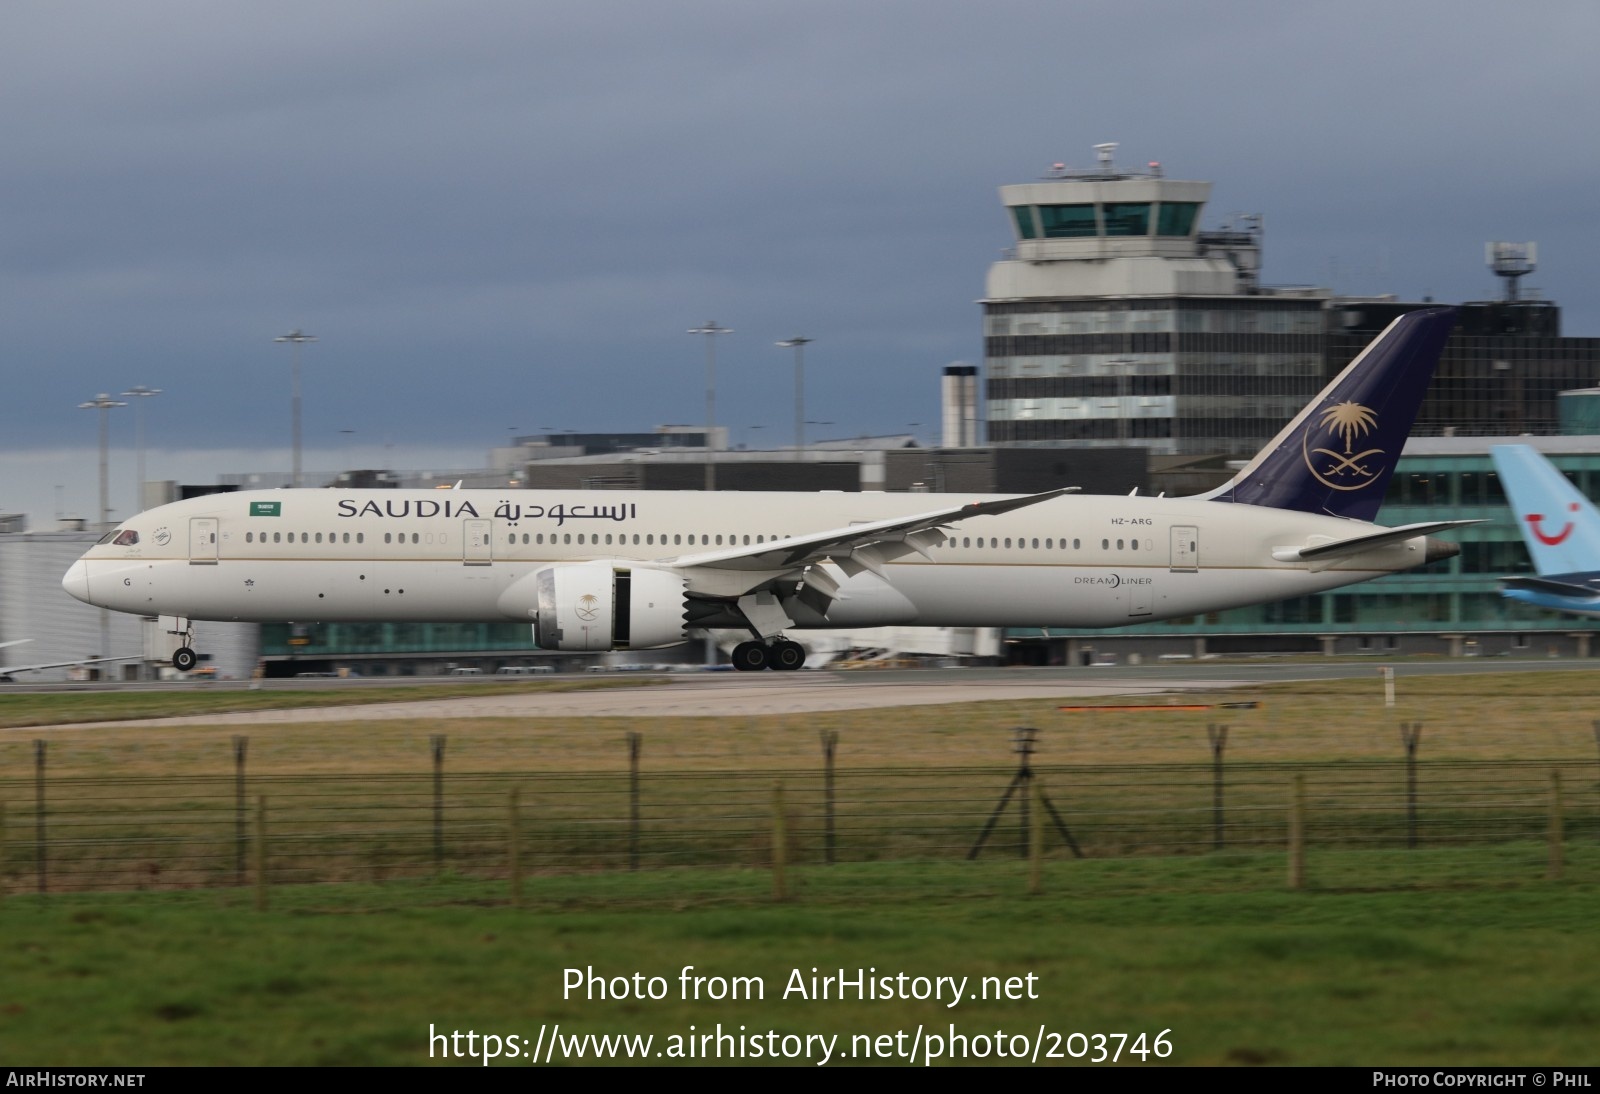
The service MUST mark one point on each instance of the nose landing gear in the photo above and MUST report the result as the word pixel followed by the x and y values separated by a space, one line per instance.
pixel 183 658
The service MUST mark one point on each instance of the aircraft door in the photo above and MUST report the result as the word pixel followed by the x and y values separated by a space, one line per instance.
pixel 477 546
pixel 1185 549
pixel 202 541
pixel 1141 598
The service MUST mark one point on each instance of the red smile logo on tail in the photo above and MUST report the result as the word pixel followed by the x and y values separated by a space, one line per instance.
pixel 1533 520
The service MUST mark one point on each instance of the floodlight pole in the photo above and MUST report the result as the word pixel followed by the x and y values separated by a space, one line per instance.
pixel 103 403
pixel 711 330
pixel 799 343
pixel 296 339
pixel 141 393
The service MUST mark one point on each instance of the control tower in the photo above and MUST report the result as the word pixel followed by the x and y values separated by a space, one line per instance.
pixel 1114 318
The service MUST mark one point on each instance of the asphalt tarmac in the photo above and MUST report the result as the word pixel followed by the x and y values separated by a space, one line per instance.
pixel 748 694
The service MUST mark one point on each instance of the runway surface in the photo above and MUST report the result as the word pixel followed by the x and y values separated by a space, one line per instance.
pixel 744 695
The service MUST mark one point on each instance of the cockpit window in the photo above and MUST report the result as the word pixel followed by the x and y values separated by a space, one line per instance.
pixel 107 538
pixel 126 538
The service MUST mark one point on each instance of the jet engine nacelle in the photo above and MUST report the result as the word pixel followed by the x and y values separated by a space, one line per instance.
pixel 599 606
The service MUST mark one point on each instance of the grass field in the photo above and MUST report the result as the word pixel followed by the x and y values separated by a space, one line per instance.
pixel 1433 959
pixel 24 709
pixel 1445 955
pixel 1531 716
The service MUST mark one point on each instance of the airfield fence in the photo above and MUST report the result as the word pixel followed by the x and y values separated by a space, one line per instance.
pixel 101 833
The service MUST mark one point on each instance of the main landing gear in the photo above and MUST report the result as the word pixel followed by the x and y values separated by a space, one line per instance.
pixel 782 654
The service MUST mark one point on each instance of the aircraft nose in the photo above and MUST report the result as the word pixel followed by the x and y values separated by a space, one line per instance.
pixel 76 582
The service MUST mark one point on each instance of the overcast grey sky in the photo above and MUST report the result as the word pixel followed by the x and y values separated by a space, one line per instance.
pixel 505 216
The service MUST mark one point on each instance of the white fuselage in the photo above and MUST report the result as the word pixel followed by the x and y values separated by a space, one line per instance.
pixel 337 555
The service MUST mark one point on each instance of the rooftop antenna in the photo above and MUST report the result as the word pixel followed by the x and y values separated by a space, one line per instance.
pixel 1104 154
pixel 1510 261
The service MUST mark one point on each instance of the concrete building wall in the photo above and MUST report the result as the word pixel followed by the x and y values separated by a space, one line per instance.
pixel 1016 470
pixel 645 474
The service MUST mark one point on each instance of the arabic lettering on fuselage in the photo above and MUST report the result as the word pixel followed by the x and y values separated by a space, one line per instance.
pixel 509 511
pixel 514 512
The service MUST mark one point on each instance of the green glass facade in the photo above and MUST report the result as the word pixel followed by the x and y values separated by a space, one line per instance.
pixel 1114 218
pixel 346 640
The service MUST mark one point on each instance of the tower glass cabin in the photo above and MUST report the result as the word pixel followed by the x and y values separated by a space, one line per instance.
pixel 1115 320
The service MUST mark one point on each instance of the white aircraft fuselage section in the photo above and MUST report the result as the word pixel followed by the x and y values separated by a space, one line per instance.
pixel 336 555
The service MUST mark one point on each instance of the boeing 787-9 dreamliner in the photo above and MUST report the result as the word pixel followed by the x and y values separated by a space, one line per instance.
pixel 603 570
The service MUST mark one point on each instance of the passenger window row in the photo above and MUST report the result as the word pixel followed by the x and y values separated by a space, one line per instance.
pixel 1050 544
pixel 305 537
pixel 677 540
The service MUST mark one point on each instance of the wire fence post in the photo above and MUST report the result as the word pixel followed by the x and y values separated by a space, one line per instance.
pixel 239 839
pixel 39 865
pixel 514 848
pixel 1557 836
pixel 830 744
pixel 780 844
pixel 1217 735
pixel 259 853
pixel 1026 736
pixel 437 742
pixel 634 741
pixel 1410 735
pixel 1297 833
pixel 1036 839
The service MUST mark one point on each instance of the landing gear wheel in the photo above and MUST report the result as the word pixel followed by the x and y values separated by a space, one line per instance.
pixel 183 659
pixel 750 657
pixel 786 656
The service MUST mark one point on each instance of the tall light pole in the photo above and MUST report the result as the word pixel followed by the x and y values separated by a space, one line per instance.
pixel 711 330
pixel 103 403
pixel 349 436
pixel 140 393
pixel 799 343
pixel 296 339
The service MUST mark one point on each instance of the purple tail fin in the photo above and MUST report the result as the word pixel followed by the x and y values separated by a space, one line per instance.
pixel 1338 453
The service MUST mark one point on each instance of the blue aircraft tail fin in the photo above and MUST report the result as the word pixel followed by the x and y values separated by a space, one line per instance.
pixel 1338 453
pixel 1559 525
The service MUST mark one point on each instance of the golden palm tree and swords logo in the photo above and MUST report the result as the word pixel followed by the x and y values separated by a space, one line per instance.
pixel 1347 470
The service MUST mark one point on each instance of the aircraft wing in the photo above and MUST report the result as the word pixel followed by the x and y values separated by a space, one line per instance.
pixel 1550 587
pixel 860 547
pixel 7 670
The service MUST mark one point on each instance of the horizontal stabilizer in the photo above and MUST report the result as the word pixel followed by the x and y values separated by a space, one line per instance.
pixel 1550 586
pixel 1322 555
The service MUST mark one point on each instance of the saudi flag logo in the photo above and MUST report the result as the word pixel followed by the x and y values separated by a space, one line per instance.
pixel 266 508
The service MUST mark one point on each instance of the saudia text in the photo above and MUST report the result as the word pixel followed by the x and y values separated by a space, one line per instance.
pixel 506 510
